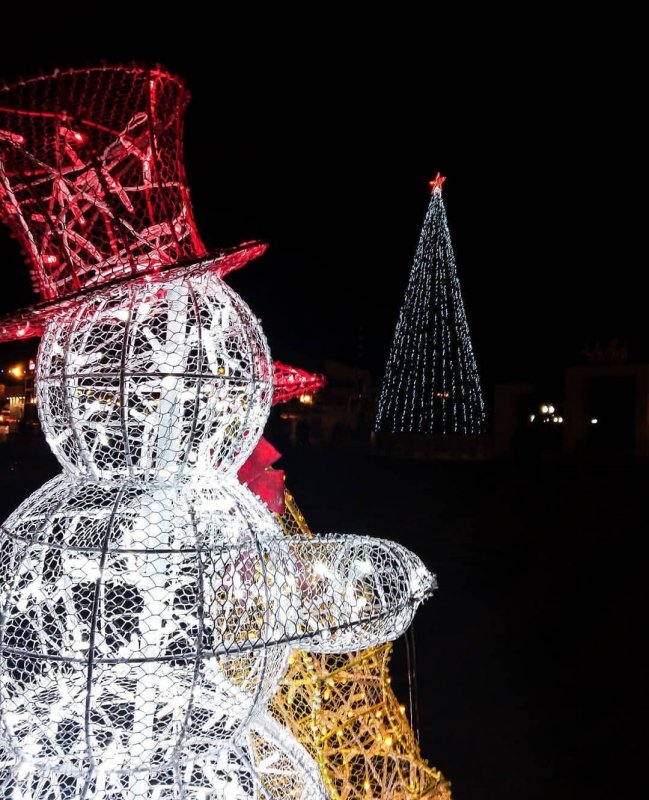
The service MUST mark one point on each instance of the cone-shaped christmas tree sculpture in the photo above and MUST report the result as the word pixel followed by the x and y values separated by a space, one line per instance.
pixel 148 600
pixel 344 712
pixel 431 383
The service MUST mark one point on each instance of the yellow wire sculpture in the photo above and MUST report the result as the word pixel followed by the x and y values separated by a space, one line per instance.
pixel 344 712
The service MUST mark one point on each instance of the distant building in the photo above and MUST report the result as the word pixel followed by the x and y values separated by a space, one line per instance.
pixel 514 403
pixel 18 396
pixel 346 404
pixel 607 410
pixel 13 399
pixel 342 410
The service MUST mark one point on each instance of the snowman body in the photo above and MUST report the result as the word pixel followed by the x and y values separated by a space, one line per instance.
pixel 148 601
pixel 126 590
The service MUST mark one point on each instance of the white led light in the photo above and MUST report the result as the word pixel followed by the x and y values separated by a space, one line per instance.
pixel 142 394
pixel 431 383
pixel 153 599
pixel 149 602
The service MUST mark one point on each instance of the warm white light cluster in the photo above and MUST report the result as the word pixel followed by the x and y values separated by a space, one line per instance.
pixel 148 601
pixel 548 413
pixel 431 383
pixel 342 708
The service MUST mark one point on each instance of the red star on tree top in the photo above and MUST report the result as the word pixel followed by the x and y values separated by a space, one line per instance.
pixel 437 182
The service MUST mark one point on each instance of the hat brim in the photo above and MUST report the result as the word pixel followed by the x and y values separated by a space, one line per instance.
pixel 30 322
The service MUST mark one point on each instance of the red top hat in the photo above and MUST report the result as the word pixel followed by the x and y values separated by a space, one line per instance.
pixel 93 185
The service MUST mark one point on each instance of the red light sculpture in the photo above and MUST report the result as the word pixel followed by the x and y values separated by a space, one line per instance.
pixel 96 190
pixel 436 182
pixel 291 382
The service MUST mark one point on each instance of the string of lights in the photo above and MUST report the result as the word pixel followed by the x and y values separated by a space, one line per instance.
pixel 149 601
pixel 343 711
pixel 431 383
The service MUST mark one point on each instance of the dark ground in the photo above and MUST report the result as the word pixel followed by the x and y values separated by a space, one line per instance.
pixel 530 657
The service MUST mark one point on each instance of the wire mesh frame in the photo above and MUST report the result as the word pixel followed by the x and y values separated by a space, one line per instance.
pixel 343 710
pixel 92 180
pixel 74 605
pixel 103 597
pixel 116 604
pixel 155 380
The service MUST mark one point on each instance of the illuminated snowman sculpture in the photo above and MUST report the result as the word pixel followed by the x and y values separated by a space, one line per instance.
pixel 148 600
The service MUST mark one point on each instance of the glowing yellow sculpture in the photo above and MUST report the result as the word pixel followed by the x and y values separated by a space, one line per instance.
pixel 344 712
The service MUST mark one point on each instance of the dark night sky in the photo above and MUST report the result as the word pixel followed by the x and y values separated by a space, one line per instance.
pixel 324 147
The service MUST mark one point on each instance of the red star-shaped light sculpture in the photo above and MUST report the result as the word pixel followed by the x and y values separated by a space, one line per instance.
pixel 436 182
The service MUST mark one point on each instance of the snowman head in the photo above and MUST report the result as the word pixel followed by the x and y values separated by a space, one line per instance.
pixel 156 381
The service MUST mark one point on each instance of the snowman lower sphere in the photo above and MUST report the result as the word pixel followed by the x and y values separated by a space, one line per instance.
pixel 129 618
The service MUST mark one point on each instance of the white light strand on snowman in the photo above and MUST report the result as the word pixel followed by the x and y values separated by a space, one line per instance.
pixel 148 600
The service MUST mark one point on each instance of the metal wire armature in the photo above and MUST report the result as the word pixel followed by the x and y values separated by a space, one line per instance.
pixel 148 600
pixel 342 708
pixel 155 380
pixel 92 179
pixel 144 625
